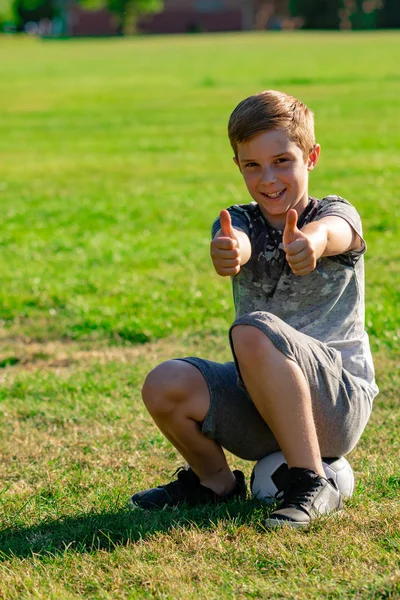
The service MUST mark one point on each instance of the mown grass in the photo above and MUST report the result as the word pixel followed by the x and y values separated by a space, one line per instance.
pixel 114 162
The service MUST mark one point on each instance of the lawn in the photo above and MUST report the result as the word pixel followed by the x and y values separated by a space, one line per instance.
pixel 114 163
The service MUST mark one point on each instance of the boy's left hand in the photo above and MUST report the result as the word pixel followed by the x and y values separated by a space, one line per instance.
pixel 302 250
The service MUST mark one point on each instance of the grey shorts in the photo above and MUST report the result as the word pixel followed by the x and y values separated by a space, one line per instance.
pixel 341 402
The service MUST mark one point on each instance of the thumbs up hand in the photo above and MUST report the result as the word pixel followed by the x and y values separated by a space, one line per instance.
pixel 301 249
pixel 225 251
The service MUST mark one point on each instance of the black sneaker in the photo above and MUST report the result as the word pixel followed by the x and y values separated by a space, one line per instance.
pixel 306 496
pixel 186 489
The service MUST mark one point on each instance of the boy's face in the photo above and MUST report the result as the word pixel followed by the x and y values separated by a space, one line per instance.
pixel 276 173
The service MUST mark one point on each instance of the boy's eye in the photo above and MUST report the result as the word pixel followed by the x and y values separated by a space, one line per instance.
pixel 281 160
pixel 251 164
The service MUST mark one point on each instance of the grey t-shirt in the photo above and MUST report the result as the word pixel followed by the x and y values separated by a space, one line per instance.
pixel 327 304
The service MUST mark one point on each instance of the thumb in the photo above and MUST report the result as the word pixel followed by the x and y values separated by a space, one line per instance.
pixel 226 224
pixel 291 231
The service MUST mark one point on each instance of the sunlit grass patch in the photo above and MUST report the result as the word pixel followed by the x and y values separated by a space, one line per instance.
pixel 115 162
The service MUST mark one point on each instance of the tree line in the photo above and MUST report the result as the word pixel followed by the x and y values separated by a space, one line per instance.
pixel 346 14
pixel 305 14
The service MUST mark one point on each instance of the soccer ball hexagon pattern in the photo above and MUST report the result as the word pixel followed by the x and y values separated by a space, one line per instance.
pixel 269 473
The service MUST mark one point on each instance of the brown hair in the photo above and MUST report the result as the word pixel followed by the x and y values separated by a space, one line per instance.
pixel 272 110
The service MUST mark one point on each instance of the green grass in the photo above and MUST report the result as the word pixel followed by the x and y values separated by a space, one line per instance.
pixel 114 162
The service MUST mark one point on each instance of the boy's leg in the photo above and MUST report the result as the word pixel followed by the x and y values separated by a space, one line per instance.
pixel 281 394
pixel 177 397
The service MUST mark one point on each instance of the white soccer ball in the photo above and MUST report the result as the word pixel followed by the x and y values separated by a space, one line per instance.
pixel 269 475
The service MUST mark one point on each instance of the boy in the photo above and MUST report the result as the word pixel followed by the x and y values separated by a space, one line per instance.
pixel 302 379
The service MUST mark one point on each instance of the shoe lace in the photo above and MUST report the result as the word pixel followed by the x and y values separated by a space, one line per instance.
pixel 183 482
pixel 298 493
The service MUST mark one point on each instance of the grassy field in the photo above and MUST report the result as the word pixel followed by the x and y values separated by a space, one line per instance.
pixel 114 162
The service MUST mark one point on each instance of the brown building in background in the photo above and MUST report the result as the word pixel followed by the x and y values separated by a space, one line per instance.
pixel 82 22
pixel 185 16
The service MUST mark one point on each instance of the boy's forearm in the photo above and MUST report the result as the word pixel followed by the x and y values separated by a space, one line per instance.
pixel 332 236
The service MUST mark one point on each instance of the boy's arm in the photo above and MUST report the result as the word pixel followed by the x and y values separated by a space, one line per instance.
pixel 329 236
pixel 230 248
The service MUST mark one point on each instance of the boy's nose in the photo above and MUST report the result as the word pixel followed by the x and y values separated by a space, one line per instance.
pixel 268 175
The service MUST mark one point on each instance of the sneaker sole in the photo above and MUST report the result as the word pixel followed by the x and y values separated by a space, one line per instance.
pixel 134 506
pixel 277 523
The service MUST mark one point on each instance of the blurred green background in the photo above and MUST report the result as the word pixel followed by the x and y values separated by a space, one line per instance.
pixel 115 161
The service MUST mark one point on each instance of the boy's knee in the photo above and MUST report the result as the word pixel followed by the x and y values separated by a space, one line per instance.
pixel 250 342
pixel 167 385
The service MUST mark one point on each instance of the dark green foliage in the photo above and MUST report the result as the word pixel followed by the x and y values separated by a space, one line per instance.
pixel 323 14
pixel 33 10
pixel 362 18
pixel 389 15
pixel 326 14
pixel 126 9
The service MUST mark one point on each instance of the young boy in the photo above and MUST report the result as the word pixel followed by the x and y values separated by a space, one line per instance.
pixel 302 379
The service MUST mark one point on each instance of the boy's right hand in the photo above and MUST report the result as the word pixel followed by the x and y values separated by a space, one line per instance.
pixel 225 251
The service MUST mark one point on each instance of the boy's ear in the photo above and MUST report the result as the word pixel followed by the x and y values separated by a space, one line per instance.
pixel 235 160
pixel 313 157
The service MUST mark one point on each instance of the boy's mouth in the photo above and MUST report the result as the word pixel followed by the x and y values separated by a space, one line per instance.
pixel 275 195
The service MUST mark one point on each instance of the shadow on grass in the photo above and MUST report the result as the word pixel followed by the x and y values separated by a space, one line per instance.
pixel 106 531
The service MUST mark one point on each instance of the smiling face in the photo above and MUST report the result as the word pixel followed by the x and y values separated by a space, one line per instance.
pixel 276 173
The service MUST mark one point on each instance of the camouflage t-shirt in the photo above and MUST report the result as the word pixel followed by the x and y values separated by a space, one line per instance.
pixel 327 304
